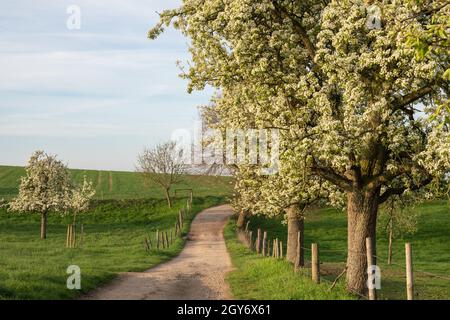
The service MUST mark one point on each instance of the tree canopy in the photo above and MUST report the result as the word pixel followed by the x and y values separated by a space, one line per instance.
pixel 352 102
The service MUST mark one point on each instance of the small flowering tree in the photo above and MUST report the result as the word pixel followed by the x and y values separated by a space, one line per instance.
pixel 396 220
pixel 45 188
pixel 81 198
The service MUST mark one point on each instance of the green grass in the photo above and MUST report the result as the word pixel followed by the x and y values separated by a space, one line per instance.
pixel 256 277
pixel 31 268
pixel 328 227
pixel 122 185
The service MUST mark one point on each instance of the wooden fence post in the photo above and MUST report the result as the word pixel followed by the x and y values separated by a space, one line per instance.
pixel 409 272
pixel 81 235
pixel 274 248
pixel 281 249
pixel 180 218
pixel 67 236
pixel 74 241
pixel 70 236
pixel 246 225
pixel 157 239
pixel 258 241
pixel 370 276
pixel 299 259
pixel 250 236
pixel 264 244
pixel 167 238
pixel 147 247
pixel 315 263
pixel 164 239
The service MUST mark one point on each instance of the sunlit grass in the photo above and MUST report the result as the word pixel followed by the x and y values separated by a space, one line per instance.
pixel 328 227
pixel 31 268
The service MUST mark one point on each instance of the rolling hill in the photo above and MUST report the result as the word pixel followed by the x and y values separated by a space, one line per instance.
pixel 122 185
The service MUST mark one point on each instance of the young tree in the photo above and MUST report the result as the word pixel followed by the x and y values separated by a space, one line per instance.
pixel 81 197
pixel 45 188
pixel 351 97
pixel 396 221
pixel 162 166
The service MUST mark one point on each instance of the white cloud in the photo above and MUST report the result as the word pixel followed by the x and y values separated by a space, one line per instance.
pixel 106 83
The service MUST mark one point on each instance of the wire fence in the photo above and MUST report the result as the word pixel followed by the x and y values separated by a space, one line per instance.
pixel 426 284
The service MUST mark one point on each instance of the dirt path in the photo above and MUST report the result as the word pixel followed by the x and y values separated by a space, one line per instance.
pixel 197 273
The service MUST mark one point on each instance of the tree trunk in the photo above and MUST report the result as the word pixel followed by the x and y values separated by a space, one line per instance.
pixel 43 225
pixel 167 194
pixel 362 209
pixel 241 219
pixel 391 227
pixel 295 225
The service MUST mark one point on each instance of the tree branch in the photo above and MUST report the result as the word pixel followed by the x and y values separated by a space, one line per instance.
pixel 398 191
pixel 330 175
pixel 412 97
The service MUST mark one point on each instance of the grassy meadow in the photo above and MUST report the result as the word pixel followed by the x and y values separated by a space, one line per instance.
pixel 123 213
pixel 114 232
pixel 266 278
pixel 122 185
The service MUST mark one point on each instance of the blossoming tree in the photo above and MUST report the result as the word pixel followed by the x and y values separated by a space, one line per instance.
pixel 45 188
pixel 351 98
pixel 81 198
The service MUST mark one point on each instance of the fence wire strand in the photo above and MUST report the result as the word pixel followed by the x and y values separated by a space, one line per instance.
pixel 379 259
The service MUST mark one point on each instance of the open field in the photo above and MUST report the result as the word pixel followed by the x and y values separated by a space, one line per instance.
pixel 122 185
pixel 31 268
pixel 123 213
pixel 266 278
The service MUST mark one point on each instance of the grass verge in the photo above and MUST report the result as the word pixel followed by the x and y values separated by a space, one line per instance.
pixel 259 278
pixel 431 249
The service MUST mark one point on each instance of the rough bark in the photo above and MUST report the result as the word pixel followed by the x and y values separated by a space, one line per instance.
pixel 362 209
pixel 43 225
pixel 295 225
pixel 241 219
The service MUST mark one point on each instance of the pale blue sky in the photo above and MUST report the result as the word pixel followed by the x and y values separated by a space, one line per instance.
pixel 93 96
